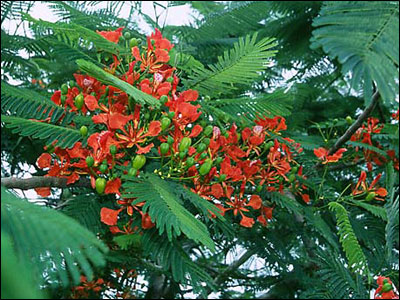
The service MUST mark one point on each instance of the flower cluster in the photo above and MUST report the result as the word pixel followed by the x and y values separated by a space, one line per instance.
pixel 224 164
pixel 364 135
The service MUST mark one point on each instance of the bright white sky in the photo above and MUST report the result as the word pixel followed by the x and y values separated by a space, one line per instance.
pixel 176 15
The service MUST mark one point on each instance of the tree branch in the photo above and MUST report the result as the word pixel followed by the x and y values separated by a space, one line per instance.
pixel 353 128
pixel 41 181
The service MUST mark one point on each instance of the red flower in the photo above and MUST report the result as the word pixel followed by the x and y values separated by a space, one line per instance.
pixel 43 191
pixel 112 36
pixel 109 216
pixel 44 161
pixel 362 187
pixel 379 294
pixel 323 154
pixel 113 186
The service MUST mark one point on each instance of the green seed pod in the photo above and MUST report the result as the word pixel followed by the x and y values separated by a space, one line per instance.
pixel 103 168
pixel 222 177
pixel 226 134
pixel 132 172
pixel 349 120
pixel 219 160
pixel 387 287
pixel 104 162
pixel 203 155
pixel 164 99
pixel 164 148
pixel 147 115
pixel 185 144
pixel 100 185
pixel 64 89
pixel 71 83
pixel 79 101
pixel 63 98
pixel 269 145
pixel 205 167
pixel 165 122
pixel 133 42
pixel 171 114
pixel 189 162
pixel 206 141
pixel 113 149
pixel 201 147
pixel 292 178
pixel 183 154
pixel 83 130
pixel 294 170
pixel 170 140
pixel 259 188
pixel 139 161
pixel 208 130
pixel 370 196
pixel 89 161
pixel 127 35
pixel 169 79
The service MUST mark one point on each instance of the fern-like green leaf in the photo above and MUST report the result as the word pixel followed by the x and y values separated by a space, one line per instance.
pixel 65 137
pixel 238 66
pixel 85 209
pixel 76 36
pixel 172 257
pixel 356 258
pixel 270 105
pixel 107 78
pixel 165 209
pixel 30 104
pixel 54 243
pixel 373 209
pixel 361 35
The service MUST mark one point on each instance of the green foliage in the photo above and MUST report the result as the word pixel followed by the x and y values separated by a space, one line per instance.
pixel 172 257
pixel 165 209
pixel 30 104
pixel 355 256
pixel 367 52
pixel 85 208
pixel 238 66
pixel 17 281
pixel 65 137
pixel 275 104
pixel 51 242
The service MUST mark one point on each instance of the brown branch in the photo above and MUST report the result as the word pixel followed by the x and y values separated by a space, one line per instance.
pixel 353 128
pixel 41 181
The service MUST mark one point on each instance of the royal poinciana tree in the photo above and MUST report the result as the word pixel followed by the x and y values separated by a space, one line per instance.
pixel 252 154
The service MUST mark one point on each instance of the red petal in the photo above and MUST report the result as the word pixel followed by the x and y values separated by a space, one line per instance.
pixel 146 222
pixel 306 198
pixel 44 161
pixel 73 178
pixel 43 191
pixel 118 121
pixel 144 150
pixel 262 220
pixel 196 131
pixel 113 186
pixel 91 102
pixel 189 95
pixel 154 128
pixel 255 202
pixel 320 152
pixel 217 191
pixel 247 222
pixel 109 216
